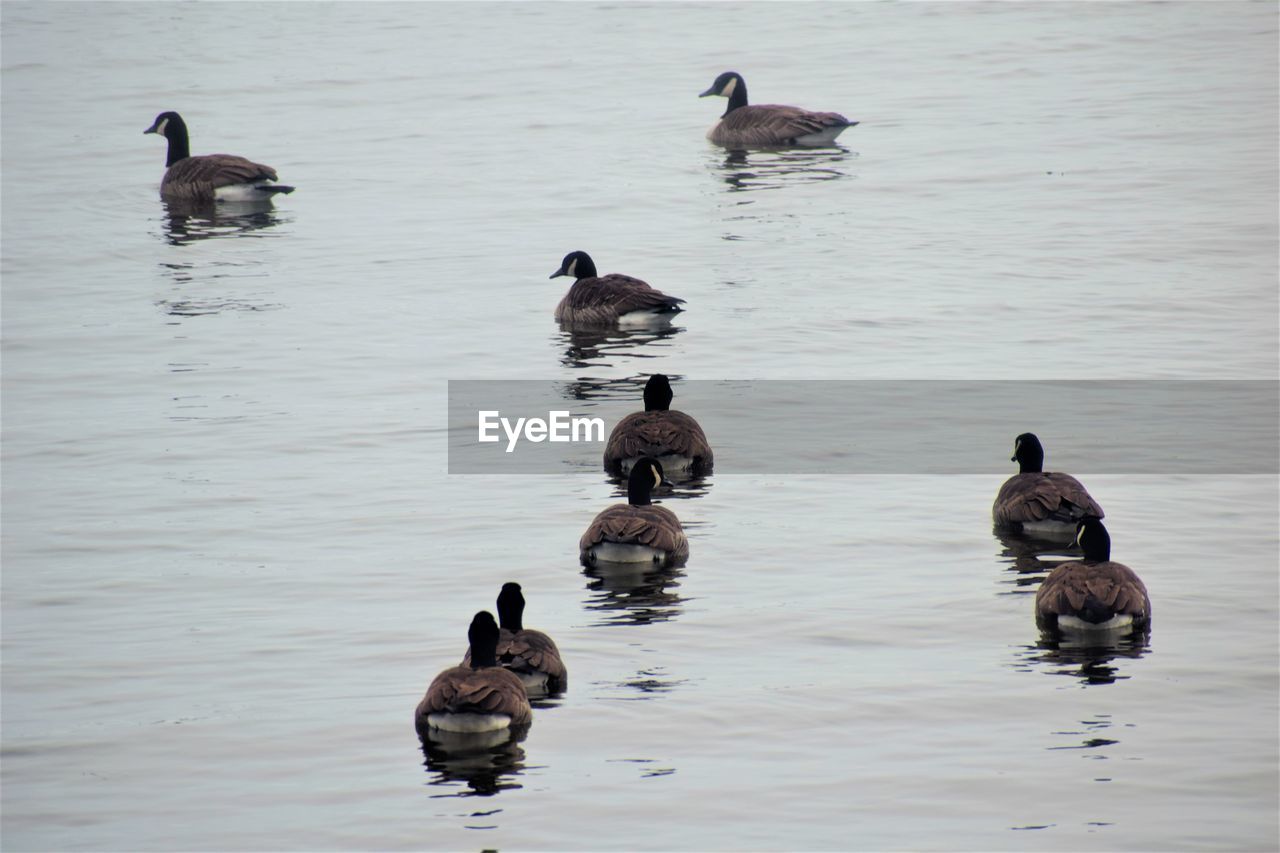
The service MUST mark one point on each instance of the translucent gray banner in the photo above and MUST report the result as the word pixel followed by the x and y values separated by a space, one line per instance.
pixel 882 426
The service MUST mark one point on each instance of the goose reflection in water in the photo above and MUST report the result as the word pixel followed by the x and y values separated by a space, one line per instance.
pixel 632 593
pixel 486 762
pixel 189 222
pixel 1029 561
pixel 1092 663
pixel 775 168
pixel 600 347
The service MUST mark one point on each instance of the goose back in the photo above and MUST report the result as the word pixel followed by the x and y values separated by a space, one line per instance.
pixel 774 124
pixel 478 697
pixel 601 300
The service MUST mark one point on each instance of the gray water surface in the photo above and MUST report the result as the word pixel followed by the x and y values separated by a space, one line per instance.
pixel 233 553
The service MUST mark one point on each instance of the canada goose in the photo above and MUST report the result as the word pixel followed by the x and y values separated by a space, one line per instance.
pixel 607 299
pixel 768 124
pixel 672 437
pixel 1093 594
pixel 636 531
pixel 1037 501
pixel 210 177
pixel 481 697
pixel 530 654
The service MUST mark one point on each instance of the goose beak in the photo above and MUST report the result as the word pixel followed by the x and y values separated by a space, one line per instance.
pixel 708 93
pixel 557 273
pixel 151 129
pixel 1013 458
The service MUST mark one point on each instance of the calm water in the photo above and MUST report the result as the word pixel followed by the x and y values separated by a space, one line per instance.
pixel 234 555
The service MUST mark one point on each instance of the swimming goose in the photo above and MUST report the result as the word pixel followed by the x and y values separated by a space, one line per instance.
pixel 768 124
pixel 210 177
pixel 672 437
pixel 530 654
pixel 1037 501
pixel 1093 594
pixel 636 531
pixel 481 697
pixel 601 300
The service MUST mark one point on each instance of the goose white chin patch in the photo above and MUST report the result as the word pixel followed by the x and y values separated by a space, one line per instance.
pixel 729 87
pixel 161 126
pixel 573 265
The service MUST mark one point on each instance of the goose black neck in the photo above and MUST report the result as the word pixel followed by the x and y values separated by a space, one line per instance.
pixel 640 485
pixel 737 98
pixel 483 636
pixel 179 145
pixel 657 393
pixel 511 608
pixel 1095 541
pixel 1030 454
pixel 586 268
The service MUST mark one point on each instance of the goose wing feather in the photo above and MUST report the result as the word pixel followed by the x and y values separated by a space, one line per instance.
pixel 530 650
pixel 218 170
pixel 654 526
pixel 772 124
pixel 491 690
pixel 1042 496
pixel 657 434
pixel 1113 585
pixel 605 298
pixel 527 650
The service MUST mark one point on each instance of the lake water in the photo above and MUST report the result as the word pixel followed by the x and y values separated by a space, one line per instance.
pixel 234 554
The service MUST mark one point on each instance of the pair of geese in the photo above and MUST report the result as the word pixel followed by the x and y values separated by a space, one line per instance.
pixel 1086 596
pixel 489 690
pixel 226 177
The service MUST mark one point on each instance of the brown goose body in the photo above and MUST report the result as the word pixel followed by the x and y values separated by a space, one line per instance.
pixel 672 437
pixel 1106 589
pixel 200 178
pixel 745 125
pixel 478 697
pixel 606 300
pixel 1041 501
pixel 1094 594
pixel 1043 496
pixel 636 531
pixel 209 177
pixel 762 125
pixel 530 654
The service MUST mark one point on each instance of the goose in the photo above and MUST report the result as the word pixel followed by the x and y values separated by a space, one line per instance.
pixel 480 697
pixel 530 654
pixel 636 531
pixel 1037 501
pixel 209 177
pixel 602 300
pixel 768 124
pixel 1093 594
pixel 672 437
